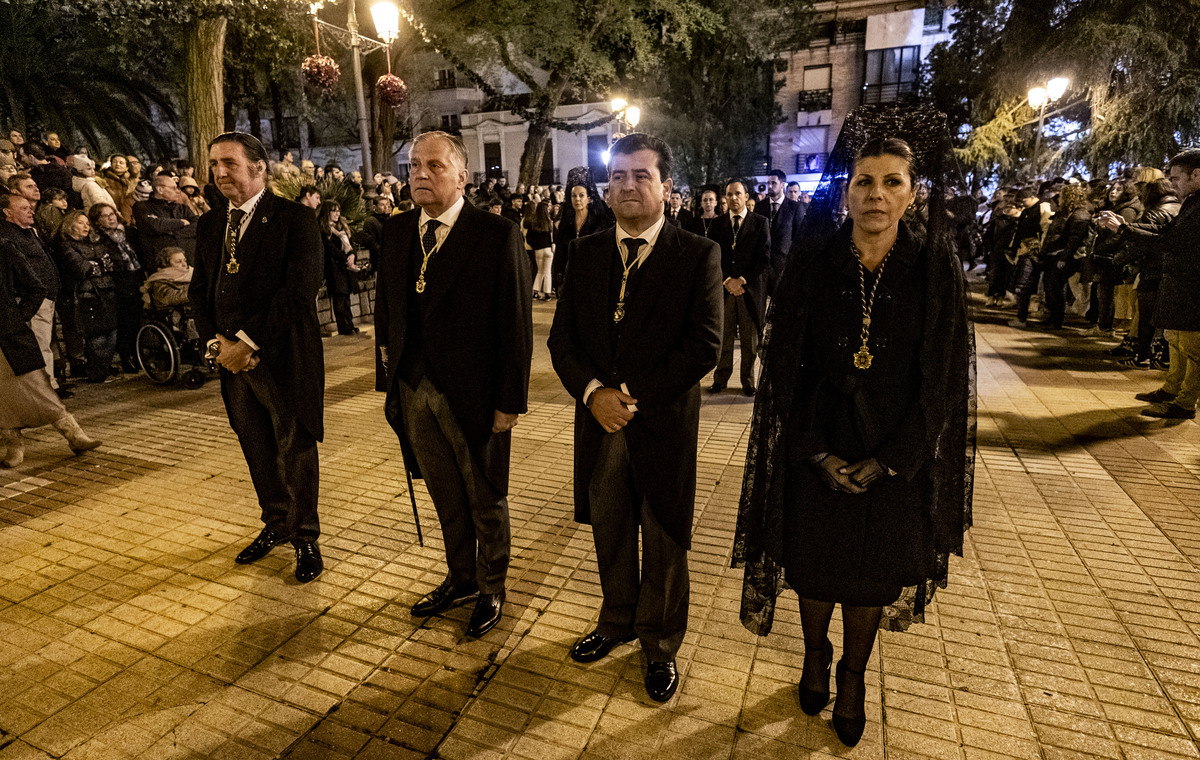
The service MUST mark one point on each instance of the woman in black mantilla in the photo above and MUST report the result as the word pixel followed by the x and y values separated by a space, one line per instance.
pixel 584 213
pixel 860 462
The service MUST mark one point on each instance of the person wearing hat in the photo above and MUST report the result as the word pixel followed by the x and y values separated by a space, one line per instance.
pixel 191 190
pixel 85 183
pixel 162 221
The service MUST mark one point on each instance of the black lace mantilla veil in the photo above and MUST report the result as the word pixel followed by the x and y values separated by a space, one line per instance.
pixel 947 362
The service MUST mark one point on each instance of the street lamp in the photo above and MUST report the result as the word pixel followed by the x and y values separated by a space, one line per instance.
pixel 633 115
pixel 1038 98
pixel 387 20
pixel 626 114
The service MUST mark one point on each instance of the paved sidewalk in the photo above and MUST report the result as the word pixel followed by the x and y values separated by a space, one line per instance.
pixel 1070 629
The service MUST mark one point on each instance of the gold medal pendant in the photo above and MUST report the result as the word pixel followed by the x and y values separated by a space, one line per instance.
pixel 619 314
pixel 862 358
pixel 232 266
pixel 421 284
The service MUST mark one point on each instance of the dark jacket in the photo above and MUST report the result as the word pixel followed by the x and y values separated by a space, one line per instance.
pixel 371 236
pixel 160 224
pixel 88 267
pixel 682 219
pixel 1144 251
pixel 1066 237
pixel 273 297
pixel 338 277
pixel 749 259
pixel 21 295
pixel 1179 242
pixel 785 226
pixel 37 253
pixel 476 325
pixel 669 340
pixel 565 233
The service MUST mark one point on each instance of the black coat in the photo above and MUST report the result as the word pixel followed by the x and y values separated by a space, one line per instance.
pixel 683 219
pixel 477 328
pixel 670 339
pixel 785 227
pixel 37 253
pixel 1143 251
pixel 88 266
pixel 1178 305
pixel 338 277
pixel 21 295
pixel 750 258
pixel 273 299
pixel 160 223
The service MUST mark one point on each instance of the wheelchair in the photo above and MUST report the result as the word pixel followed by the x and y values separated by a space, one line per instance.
pixel 166 342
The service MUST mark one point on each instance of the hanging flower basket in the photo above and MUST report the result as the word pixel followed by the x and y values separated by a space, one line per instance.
pixel 392 90
pixel 321 72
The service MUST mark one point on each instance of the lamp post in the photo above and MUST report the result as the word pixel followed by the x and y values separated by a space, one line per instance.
pixel 1038 98
pixel 627 115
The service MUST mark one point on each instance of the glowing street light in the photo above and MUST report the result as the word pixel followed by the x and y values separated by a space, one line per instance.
pixel 1039 97
pixel 618 104
pixel 633 115
pixel 387 20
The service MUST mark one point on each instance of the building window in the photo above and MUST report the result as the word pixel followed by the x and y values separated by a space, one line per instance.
pixel 817 92
pixel 892 74
pixel 491 160
pixel 935 15
pixel 810 143
pixel 446 79
pixel 451 123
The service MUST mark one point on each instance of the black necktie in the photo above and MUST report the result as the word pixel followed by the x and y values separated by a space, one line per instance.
pixel 774 210
pixel 429 239
pixel 737 225
pixel 231 235
pixel 631 247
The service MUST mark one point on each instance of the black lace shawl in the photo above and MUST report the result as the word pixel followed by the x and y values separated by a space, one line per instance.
pixel 947 361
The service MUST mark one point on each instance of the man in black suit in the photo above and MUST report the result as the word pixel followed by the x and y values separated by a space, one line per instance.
pixel 254 294
pixel 745 240
pixel 636 328
pixel 676 213
pixel 785 215
pixel 454 333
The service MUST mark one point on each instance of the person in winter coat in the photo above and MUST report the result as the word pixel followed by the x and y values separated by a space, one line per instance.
pixel 88 269
pixel 85 183
pixel 1064 250
pixel 1124 201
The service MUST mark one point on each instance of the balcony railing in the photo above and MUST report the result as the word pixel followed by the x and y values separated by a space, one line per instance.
pixel 815 100
pixel 445 83
pixel 889 93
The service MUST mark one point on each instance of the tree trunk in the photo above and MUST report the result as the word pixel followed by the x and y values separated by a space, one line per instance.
pixel 383 130
pixel 277 129
pixel 204 88
pixel 539 131
pixel 253 113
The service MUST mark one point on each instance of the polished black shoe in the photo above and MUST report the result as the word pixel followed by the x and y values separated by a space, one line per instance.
pixel 1169 411
pixel 596 646
pixel 308 561
pixel 1157 396
pixel 749 390
pixel 444 597
pixel 716 387
pixel 63 393
pixel 849 728
pixel 489 608
pixel 661 680
pixel 813 701
pixel 260 547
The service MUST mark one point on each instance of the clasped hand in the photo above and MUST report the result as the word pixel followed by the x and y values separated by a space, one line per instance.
pixel 842 476
pixel 610 407
pixel 734 286
pixel 236 355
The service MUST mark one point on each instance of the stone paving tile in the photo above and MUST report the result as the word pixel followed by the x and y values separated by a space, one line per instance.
pixel 1070 629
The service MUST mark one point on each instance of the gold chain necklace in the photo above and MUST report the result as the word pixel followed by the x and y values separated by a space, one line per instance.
pixel 863 358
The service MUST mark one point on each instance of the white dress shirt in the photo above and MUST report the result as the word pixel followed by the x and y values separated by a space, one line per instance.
pixel 447 219
pixel 247 207
pixel 741 216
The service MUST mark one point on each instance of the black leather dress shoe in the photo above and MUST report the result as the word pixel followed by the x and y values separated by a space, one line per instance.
pixel 489 608
pixel 308 561
pixel 748 390
pixel 596 646
pixel 716 387
pixel 260 547
pixel 661 680
pixel 1158 396
pixel 444 597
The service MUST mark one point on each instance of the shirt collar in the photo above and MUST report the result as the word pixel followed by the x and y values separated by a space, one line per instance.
pixel 742 215
pixel 249 205
pixel 448 217
pixel 650 234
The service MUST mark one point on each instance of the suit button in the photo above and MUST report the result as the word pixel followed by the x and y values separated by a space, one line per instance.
pixel 843 341
pixel 848 296
pixel 882 343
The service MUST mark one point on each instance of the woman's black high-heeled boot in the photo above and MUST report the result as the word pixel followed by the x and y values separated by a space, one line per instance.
pixel 812 702
pixel 849 729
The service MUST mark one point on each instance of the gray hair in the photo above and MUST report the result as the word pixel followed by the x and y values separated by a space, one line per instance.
pixel 456 145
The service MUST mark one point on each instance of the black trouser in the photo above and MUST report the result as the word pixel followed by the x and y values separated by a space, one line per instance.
pixel 280 452
pixel 652 602
pixel 999 274
pixel 739 324
pixel 342 312
pixel 98 350
pixel 472 511
pixel 1057 275
pixel 129 315
pixel 1147 301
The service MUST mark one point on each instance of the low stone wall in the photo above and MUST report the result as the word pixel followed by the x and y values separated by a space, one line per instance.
pixel 362 304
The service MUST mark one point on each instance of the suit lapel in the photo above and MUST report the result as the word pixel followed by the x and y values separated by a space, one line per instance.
pixel 256 229
pixel 445 264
